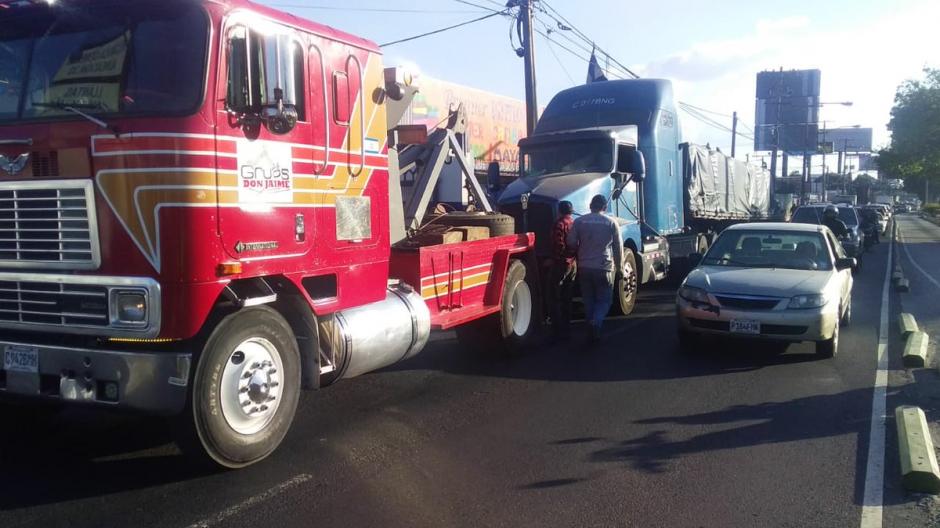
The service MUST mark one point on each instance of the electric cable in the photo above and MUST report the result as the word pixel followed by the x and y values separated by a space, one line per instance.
pixel 441 30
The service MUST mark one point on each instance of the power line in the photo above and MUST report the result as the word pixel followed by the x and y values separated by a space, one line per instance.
pixel 478 6
pixel 367 9
pixel 448 28
pixel 711 122
pixel 707 111
pixel 547 35
pixel 587 39
pixel 572 52
pixel 552 49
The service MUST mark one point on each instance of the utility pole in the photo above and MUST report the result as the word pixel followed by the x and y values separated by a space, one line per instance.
pixel 531 99
pixel 734 132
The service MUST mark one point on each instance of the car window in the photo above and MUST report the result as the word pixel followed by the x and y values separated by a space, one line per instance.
pixel 805 215
pixel 847 215
pixel 835 246
pixel 770 249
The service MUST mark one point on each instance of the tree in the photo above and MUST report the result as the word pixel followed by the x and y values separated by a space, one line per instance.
pixel 914 153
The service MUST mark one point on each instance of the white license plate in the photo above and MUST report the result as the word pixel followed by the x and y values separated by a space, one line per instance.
pixel 21 358
pixel 745 326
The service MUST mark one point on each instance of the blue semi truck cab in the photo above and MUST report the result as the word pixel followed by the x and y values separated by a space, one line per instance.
pixel 622 139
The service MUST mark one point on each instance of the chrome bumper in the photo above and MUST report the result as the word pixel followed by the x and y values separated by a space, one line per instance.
pixel 154 382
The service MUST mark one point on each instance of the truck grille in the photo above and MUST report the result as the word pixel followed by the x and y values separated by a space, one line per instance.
pixel 53 303
pixel 48 225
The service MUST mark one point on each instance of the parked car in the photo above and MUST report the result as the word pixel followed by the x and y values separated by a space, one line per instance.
pixel 788 282
pixel 813 214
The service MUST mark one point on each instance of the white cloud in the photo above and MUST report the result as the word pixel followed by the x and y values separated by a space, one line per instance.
pixel 864 64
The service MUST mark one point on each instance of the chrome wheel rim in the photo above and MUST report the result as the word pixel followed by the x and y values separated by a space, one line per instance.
pixel 628 281
pixel 250 388
pixel 520 308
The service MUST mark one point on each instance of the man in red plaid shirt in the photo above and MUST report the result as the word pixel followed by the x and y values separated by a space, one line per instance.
pixel 563 272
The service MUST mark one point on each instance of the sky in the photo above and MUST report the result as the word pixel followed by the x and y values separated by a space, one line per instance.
pixel 864 48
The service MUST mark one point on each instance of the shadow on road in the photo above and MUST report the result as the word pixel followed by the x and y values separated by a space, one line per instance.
pixel 642 347
pixel 83 453
pixel 769 423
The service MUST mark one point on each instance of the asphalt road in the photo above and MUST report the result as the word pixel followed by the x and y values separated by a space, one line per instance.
pixel 629 434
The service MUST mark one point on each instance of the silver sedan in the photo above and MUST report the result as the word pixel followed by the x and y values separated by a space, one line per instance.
pixel 777 281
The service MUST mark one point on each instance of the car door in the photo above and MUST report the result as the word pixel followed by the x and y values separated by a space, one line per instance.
pixel 845 276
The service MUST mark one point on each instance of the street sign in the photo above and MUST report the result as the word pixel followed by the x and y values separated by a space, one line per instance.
pixel 787 110
pixel 848 139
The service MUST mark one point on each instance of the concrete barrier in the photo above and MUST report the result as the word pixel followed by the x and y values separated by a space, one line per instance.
pixel 915 350
pixel 919 471
pixel 907 324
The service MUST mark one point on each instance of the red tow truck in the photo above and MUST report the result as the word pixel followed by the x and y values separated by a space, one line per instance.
pixel 207 206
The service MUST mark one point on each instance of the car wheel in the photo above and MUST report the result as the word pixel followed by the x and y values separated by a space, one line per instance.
pixel 830 347
pixel 245 390
pixel 847 313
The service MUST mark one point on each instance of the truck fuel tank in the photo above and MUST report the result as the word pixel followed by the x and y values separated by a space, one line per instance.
pixel 376 335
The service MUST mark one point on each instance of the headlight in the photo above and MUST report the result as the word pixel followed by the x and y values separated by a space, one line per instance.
pixel 800 302
pixel 693 294
pixel 130 307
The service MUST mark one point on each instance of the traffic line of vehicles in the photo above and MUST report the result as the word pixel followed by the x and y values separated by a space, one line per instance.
pixel 209 206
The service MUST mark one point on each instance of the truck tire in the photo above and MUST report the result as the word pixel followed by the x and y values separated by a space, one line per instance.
pixel 244 391
pixel 498 223
pixel 509 330
pixel 625 289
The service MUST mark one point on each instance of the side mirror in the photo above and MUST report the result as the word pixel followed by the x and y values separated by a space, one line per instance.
pixel 280 109
pixel 695 259
pixel 633 163
pixel 846 263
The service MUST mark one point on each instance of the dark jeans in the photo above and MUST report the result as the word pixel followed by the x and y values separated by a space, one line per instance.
pixel 561 290
pixel 597 291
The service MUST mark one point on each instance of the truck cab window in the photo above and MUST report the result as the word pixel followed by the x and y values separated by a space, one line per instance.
pixel 265 78
pixel 342 104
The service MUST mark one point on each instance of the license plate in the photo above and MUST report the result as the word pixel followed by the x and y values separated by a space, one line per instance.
pixel 745 326
pixel 21 358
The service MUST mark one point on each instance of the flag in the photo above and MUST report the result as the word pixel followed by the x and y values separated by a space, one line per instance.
pixel 595 72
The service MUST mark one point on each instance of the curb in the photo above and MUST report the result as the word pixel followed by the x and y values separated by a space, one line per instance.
pixel 919 471
pixel 915 350
pixel 908 324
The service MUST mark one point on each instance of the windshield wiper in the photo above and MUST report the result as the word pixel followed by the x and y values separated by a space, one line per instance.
pixel 74 108
pixel 731 262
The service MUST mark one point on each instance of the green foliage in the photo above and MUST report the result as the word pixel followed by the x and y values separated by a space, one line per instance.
pixel 932 209
pixel 914 154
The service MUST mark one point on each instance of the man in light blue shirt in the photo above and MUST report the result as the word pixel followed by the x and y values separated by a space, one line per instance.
pixel 596 236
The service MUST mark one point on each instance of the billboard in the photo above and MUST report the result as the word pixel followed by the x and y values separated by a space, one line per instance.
pixel 495 123
pixel 847 139
pixel 787 110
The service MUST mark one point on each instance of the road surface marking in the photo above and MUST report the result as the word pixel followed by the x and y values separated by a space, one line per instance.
pixel 914 262
pixel 875 467
pixel 225 514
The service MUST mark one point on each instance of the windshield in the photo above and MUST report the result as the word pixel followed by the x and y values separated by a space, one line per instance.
pixel 814 215
pixel 770 249
pixel 571 156
pixel 142 58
